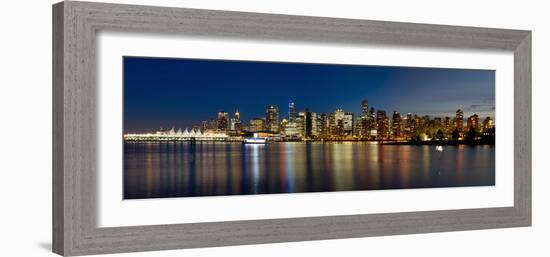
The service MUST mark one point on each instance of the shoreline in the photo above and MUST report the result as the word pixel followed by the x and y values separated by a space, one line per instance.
pixel 373 142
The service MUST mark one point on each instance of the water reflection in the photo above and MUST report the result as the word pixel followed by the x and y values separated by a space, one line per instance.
pixel 181 169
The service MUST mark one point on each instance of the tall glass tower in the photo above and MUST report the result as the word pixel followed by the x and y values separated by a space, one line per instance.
pixel 291 111
pixel 272 118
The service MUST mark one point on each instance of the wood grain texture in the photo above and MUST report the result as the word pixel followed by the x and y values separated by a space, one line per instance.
pixel 75 25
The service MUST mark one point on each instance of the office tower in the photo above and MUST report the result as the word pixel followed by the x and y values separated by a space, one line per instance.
pixel 236 124
pixel 459 120
pixel 397 124
pixel 365 107
pixel 232 124
pixel 348 123
pixel 383 126
pixel 359 126
pixel 447 125
pixel 473 122
pixel 237 116
pixel 291 111
pixel 257 124
pixel 343 123
pixel 310 124
pixel 409 125
pixel 223 121
pixel 380 115
pixel 371 122
pixel 323 123
pixel 272 118
pixel 300 121
pixel 425 121
pixel 487 124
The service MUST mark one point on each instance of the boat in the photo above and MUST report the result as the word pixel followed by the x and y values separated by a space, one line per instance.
pixel 255 140
pixel 439 148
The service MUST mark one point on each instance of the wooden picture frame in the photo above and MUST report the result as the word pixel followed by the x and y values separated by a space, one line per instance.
pixel 75 25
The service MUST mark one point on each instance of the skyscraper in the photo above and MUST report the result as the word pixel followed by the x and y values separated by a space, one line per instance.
pixel 380 115
pixel 348 123
pixel 365 107
pixel 397 124
pixel 371 121
pixel 237 116
pixel 272 118
pixel 257 124
pixel 447 125
pixel 409 125
pixel 459 120
pixel 487 124
pixel 300 123
pixel 223 121
pixel 310 124
pixel 291 111
pixel 338 128
pixel 383 124
pixel 323 124
pixel 361 125
pixel 236 124
pixel 473 122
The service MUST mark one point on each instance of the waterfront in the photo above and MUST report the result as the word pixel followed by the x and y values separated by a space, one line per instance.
pixel 178 169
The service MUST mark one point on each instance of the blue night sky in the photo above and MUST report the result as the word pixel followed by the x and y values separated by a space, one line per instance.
pixel 163 92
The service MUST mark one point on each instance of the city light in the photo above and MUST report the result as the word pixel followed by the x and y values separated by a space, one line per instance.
pixel 340 125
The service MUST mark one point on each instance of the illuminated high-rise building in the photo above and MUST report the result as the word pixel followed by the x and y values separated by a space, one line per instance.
pixel 359 126
pixel 300 121
pixel 365 107
pixel 323 123
pixel 409 125
pixel 236 122
pixel 424 121
pixel 232 124
pixel 487 124
pixel 237 116
pixel 448 125
pixel 383 124
pixel 338 124
pixel 348 123
pixel 342 123
pixel 371 121
pixel 291 111
pixel 272 118
pixel 459 120
pixel 397 124
pixel 257 124
pixel 473 122
pixel 361 123
pixel 380 116
pixel 223 121
pixel 310 124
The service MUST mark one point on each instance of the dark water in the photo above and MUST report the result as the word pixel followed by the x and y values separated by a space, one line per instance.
pixel 207 169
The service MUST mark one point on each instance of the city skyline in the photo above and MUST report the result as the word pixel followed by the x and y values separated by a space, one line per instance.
pixel 162 92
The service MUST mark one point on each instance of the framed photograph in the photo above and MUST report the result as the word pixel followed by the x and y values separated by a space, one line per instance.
pixel 183 128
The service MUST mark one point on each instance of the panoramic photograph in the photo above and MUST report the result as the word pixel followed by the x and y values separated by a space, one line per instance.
pixel 202 127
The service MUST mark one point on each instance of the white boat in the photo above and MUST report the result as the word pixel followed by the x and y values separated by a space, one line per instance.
pixel 439 148
pixel 255 140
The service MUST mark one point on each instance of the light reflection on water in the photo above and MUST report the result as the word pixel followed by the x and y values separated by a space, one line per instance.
pixel 207 169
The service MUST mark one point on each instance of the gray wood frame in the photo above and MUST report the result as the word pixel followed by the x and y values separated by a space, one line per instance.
pixel 75 25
